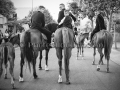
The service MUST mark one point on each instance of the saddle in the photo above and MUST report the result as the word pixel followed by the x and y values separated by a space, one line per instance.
pixel 43 35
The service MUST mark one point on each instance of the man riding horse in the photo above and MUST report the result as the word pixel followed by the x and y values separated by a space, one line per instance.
pixel 38 22
pixel 100 24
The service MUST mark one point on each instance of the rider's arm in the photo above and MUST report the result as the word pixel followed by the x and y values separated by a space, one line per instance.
pixel 43 21
pixel 60 16
pixel 62 21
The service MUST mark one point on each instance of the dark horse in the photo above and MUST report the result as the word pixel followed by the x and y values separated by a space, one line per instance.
pixel 80 43
pixel 102 40
pixel 31 42
pixel 64 40
pixel 7 53
pixel 51 27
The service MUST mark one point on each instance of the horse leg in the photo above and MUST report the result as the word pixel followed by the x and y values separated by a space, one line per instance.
pixel 46 58
pixel 1 69
pixel 66 60
pixel 77 51
pixel 108 58
pixel 59 55
pixel 40 67
pixel 94 56
pixel 11 71
pixel 35 54
pixel 21 67
pixel 101 57
pixel 5 75
pixel 82 51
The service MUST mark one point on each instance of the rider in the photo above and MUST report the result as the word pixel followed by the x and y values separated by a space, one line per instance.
pixel 67 20
pixel 61 13
pixel 38 22
pixel 100 24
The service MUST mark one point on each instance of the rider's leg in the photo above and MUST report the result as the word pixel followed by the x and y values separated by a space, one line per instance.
pixel 48 35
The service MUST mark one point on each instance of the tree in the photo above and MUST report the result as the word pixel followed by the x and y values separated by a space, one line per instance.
pixel 107 6
pixel 6 8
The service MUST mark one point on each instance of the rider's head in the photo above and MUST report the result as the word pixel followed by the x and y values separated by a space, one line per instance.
pixel 97 12
pixel 62 6
pixel 66 12
pixel 41 8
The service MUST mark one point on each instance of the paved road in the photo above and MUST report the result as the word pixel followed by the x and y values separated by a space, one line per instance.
pixel 83 74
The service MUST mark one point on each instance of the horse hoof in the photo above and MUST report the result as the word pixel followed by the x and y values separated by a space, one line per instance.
pixel 107 70
pixel 5 77
pixel 67 83
pixel 93 63
pixel 98 69
pixel 35 76
pixel 13 87
pixel 46 68
pixel 102 63
pixel 21 79
pixel 60 79
pixel 77 58
pixel 40 68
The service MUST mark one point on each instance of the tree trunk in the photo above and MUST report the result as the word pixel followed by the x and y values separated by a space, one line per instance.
pixel 115 36
pixel 110 20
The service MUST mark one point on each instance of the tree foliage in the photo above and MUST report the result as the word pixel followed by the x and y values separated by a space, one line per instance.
pixel 107 6
pixel 6 8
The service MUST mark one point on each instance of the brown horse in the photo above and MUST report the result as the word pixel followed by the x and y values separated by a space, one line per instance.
pixel 7 53
pixel 64 40
pixel 102 40
pixel 31 42
pixel 80 38
pixel 51 27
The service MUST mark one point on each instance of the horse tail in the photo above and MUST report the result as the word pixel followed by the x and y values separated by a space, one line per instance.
pixel 5 54
pixel 28 49
pixel 66 39
pixel 107 44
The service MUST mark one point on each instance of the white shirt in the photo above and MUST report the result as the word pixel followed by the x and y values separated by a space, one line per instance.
pixel 84 23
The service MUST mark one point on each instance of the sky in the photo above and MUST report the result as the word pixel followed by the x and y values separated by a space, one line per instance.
pixel 24 6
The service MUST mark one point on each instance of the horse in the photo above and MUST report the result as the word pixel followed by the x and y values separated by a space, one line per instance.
pixel 102 40
pixel 80 38
pixel 64 40
pixel 7 53
pixel 83 29
pixel 31 42
pixel 51 27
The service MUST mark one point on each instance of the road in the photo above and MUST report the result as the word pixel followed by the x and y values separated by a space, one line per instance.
pixel 83 74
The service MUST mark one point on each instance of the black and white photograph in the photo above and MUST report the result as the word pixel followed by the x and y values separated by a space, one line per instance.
pixel 59 44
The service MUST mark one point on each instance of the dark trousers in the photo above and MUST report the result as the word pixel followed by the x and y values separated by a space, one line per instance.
pixel 92 34
pixel 44 31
